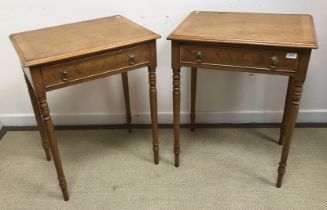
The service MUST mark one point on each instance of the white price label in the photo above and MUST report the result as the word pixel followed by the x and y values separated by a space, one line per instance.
pixel 291 55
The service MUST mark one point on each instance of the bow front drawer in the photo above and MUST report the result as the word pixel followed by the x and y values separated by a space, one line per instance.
pixel 109 63
pixel 241 58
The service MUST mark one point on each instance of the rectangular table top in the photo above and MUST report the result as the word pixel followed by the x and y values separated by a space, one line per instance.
pixel 76 39
pixel 285 30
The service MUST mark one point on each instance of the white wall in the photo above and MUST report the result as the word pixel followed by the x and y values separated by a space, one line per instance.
pixel 250 98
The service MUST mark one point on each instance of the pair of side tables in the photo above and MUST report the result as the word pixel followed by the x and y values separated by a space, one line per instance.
pixel 61 56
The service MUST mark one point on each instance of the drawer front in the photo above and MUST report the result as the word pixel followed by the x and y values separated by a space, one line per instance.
pixel 95 65
pixel 261 59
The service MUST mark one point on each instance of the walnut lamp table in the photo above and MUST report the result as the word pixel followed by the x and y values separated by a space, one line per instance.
pixel 277 44
pixel 61 56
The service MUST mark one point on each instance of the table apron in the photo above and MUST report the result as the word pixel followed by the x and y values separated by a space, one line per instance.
pixel 103 74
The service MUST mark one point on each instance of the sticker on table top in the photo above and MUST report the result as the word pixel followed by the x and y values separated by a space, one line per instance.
pixel 291 55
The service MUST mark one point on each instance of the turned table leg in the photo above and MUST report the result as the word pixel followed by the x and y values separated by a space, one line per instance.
pixel 176 111
pixel 286 110
pixel 193 96
pixel 295 96
pixel 39 123
pixel 154 112
pixel 53 145
pixel 127 104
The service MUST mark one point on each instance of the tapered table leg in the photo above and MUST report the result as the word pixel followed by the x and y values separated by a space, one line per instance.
pixel 176 103
pixel 53 145
pixel 295 96
pixel 39 123
pixel 154 112
pixel 286 110
pixel 127 104
pixel 193 96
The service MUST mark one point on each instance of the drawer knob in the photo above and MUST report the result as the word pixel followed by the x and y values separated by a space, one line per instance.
pixel 64 75
pixel 199 56
pixel 274 62
pixel 131 59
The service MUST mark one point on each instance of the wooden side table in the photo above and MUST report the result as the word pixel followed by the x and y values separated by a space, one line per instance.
pixel 261 43
pixel 61 56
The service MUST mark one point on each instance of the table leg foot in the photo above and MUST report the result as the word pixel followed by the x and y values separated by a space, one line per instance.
pixel 156 154
pixel 63 186
pixel 281 172
pixel 176 152
pixel 48 156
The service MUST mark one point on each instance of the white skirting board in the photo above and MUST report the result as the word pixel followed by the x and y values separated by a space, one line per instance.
pixel 305 116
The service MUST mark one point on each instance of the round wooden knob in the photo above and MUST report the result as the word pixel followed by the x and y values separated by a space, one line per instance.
pixel 64 75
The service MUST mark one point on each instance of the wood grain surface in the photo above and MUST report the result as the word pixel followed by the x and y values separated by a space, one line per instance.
pixel 71 40
pixel 286 30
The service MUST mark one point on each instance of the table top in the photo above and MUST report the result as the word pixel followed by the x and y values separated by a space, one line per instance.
pixel 285 30
pixel 71 40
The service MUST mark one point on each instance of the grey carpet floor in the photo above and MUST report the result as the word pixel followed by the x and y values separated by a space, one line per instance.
pixel 112 169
